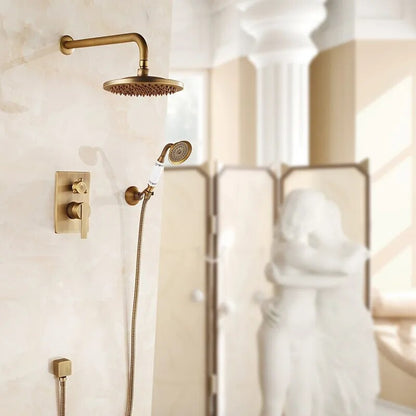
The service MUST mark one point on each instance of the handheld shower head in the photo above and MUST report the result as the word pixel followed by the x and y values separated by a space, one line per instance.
pixel 178 153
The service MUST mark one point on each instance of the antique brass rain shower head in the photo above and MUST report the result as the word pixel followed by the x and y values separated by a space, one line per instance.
pixel 140 85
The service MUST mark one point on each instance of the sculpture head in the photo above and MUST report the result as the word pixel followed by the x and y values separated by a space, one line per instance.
pixel 308 216
pixel 330 229
pixel 301 214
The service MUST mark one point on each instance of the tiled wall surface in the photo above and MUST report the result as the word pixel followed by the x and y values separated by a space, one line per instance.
pixel 61 296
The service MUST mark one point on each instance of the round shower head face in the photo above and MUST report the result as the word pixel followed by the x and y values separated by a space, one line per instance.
pixel 143 86
pixel 179 152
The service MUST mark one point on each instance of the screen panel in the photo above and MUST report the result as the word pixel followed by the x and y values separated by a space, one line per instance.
pixel 245 210
pixel 181 341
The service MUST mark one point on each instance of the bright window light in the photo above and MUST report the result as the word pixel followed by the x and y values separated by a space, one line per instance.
pixel 187 113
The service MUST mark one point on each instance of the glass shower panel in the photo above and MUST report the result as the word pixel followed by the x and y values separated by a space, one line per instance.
pixel 246 214
pixel 180 355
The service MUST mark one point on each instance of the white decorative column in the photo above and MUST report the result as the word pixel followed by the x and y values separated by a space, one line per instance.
pixel 282 54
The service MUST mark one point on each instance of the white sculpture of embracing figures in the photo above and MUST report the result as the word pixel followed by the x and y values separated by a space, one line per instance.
pixel 317 351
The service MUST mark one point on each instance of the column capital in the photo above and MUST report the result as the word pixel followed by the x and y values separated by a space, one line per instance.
pixel 282 29
pixel 366 20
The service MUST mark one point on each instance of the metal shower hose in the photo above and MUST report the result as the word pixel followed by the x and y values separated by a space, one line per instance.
pixel 62 384
pixel 130 387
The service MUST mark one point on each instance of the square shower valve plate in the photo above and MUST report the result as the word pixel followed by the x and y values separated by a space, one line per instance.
pixel 64 195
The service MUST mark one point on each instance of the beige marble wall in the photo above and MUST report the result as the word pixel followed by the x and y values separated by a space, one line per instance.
pixel 59 295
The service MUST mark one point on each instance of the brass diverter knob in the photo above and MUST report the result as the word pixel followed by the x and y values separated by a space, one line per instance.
pixel 72 205
pixel 79 187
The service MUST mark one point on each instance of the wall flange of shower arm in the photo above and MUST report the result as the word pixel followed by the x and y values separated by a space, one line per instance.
pixel 177 153
pixel 140 85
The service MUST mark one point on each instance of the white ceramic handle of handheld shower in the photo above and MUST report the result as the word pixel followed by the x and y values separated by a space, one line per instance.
pixel 156 173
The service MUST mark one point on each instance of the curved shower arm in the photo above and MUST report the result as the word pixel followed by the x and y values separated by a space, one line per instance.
pixel 67 44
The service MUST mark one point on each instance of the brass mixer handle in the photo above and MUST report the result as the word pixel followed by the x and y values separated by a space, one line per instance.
pixel 79 211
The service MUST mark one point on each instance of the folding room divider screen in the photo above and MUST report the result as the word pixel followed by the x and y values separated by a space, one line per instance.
pixel 216 237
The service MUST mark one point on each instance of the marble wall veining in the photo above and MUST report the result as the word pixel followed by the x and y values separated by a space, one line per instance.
pixel 61 296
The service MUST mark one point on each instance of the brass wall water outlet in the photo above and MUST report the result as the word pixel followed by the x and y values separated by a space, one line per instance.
pixel 72 202
pixel 62 367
